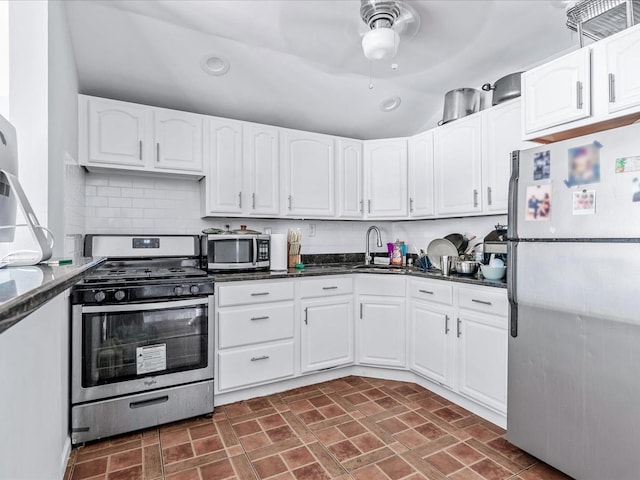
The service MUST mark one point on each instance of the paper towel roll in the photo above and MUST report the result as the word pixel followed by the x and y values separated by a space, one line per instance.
pixel 279 252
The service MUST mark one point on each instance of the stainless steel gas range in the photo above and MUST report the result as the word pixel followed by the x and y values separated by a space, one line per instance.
pixel 142 336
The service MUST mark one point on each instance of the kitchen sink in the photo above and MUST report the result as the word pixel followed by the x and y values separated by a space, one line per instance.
pixel 380 268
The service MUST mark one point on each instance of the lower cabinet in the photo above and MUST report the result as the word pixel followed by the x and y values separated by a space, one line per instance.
pixel 327 333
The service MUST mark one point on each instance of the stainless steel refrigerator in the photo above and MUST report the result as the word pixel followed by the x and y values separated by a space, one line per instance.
pixel 574 292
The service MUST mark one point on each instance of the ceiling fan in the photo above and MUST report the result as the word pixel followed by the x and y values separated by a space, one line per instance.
pixel 388 21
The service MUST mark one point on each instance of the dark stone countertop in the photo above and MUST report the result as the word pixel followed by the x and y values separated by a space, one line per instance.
pixel 25 289
pixel 347 269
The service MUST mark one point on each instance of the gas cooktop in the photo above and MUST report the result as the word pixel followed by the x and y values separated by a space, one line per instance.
pixel 126 273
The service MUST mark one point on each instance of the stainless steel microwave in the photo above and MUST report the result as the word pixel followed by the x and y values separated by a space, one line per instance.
pixel 236 252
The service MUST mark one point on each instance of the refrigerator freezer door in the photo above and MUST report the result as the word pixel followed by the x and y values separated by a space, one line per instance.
pixel 616 214
pixel 574 386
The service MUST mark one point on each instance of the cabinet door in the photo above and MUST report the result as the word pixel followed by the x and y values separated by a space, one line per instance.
pixel 224 179
pixel 262 170
pixel 421 175
pixel 483 359
pixel 623 68
pixel 431 342
pixel 309 166
pixel 501 131
pixel 350 194
pixel 117 133
pixel 385 167
pixel 178 140
pixel 557 92
pixel 381 331
pixel 458 167
pixel 327 333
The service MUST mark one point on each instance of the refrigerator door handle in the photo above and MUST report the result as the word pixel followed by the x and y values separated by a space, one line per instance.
pixel 512 230
pixel 512 255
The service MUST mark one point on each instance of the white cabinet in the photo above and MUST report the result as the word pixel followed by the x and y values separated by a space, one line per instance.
pixel 350 177
pixel 432 341
pixel 117 132
pixel 458 157
pixel 385 173
pixel 127 136
pixel 623 70
pixel 483 358
pixel 225 177
pixel 309 167
pixel 421 198
pixel 500 136
pixel 261 192
pixel 557 92
pixel 327 333
pixel 178 140
pixel 382 331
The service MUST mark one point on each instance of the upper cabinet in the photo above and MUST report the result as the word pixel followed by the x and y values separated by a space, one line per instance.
pixel 309 166
pixel 128 136
pixel 349 181
pixel 116 132
pixel 385 174
pixel 262 170
pixel 225 173
pixel 590 90
pixel 623 71
pixel 421 197
pixel 457 157
pixel 557 92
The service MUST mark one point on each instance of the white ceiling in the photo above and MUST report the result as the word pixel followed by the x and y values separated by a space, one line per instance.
pixel 299 64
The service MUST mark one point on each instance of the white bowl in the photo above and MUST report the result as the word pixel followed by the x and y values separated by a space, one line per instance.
pixel 493 273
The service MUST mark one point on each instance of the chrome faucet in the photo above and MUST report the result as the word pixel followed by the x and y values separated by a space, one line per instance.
pixel 367 251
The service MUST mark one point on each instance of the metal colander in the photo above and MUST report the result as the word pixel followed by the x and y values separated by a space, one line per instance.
pixel 598 19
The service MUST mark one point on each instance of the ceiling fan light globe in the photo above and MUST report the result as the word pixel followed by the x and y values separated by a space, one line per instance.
pixel 380 43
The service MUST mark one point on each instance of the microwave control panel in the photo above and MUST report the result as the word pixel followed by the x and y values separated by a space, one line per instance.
pixel 263 250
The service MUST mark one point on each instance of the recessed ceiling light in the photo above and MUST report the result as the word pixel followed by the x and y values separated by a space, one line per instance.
pixel 215 65
pixel 390 104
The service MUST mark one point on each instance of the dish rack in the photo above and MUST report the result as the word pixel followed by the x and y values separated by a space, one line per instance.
pixel 598 19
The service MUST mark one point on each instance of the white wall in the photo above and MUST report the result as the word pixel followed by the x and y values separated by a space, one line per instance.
pixel 117 203
pixel 4 58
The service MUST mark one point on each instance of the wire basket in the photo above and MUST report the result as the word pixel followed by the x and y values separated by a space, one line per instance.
pixel 598 19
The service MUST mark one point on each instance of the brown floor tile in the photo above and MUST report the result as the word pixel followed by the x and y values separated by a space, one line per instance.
pixel 444 462
pixel 174 437
pixel 311 472
pixel 281 433
pixel 207 445
pixel 269 466
pixel 395 467
pixel 202 431
pixel 370 408
pixel 490 470
pixel 411 438
pixel 131 473
pixel 370 472
pixel 447 414
pixel 367 442
pixel 352 429
pixel 311 416
pixel 481 433
pixel 542 471
pixel 392 425
pixel 255 441
pixel 356 398
pixel 344 450
pixel 502 446
pixel 191 474
pixel 125 459
pixel 271 421
pixel 90 468
pixel 177 453
pixel 298 457
pixel 246 428
pixel 412 419
pixel 152 462
pixel 465 474
pixel 330 435
pixel 430 431
pixel 465 454
pixel 217 470
pixel 243 468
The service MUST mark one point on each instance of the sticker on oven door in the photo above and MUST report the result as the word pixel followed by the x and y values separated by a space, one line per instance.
pixel 152 358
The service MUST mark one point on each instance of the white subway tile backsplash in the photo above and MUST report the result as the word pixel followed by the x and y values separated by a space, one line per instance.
pixel 95 201
pixel 107 212
pixel 137 213
pixel 119 181
pixel 97 179
pixel 155 213
pixel 120 223
pixel 142 182
pixel 143 203
pixel 90 190
pixel 162 203
pixel 119 202
pixel 132 192
pixel 108 191
pixel 153 193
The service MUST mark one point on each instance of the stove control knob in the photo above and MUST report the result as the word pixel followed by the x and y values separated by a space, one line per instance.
pixel 99 296
pixel 177 290
pixel 119 295
pixel 194 290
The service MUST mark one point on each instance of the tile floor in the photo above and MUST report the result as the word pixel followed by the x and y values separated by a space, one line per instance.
pixel 352 428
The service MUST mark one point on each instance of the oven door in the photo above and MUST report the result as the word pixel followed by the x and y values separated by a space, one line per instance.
pixel 137 347
pixel 226 252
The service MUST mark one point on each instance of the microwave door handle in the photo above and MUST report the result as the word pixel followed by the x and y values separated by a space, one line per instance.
pixel 255 251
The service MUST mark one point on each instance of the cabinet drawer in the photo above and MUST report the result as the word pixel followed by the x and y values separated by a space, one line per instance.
pixel 432 291
pixel 259 364
pixel 326 286
pixel 254 292
pixel 484 299
pixel 247 325
pixel 387 285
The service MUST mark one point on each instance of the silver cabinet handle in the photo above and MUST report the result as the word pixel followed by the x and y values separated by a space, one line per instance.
pixel 369 205
pixel 361 206
pixel 259 294
pixel 489 200
pixel 239 199
pixel 428 292
pixel 483 302
pixel 306 316
pixel 475 198
pixel 446 324
pixel 411 204
pixel 360 311
pixel 612 88
pixel 140 149
pixel 157 152
pixel 289 200
pixel 458 331
pixel 330 288
pixel 253 201
pixel 256 359
pixel 579 103
pixel 266 317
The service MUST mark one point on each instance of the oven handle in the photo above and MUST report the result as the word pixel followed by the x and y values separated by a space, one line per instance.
pixel 136 307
